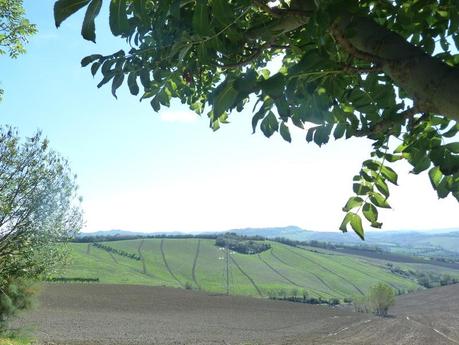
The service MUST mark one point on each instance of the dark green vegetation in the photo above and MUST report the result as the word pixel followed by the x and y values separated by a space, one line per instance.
pixel 384 70
pixel 241 245
pixel 281 271
pixel 15 297
pixel 120 252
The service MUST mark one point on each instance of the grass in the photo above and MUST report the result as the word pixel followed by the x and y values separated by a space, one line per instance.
pixel 321 273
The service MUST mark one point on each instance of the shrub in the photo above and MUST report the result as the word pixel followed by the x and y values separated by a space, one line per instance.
pixel 360 304
pixel 333 301
pixel 381 297
pixel 16 295
pixel 188 286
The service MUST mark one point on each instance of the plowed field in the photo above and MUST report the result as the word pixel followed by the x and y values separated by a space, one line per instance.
pixel 124 315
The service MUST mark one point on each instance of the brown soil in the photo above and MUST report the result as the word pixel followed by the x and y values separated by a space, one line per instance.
pixel 96 314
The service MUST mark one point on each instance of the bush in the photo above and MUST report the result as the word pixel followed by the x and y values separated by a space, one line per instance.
pixel 333 301
pixel 17 295
pixel 188 286
pixel 381 297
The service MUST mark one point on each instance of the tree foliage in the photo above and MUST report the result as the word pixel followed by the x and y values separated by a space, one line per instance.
pixel 384 70
pixel 14 28
pixel 381 297
pixel 38 208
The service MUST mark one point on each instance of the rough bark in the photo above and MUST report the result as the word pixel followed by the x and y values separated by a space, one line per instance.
pixel 432 84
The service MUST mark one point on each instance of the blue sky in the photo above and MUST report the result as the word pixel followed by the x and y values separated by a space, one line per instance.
pixel 139 170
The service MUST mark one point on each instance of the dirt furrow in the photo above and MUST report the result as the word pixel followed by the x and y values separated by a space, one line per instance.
pixel 193 270
pixel 161 247
pixel 139 249
pixel 331 271
pixel 247 276
pixel 315 275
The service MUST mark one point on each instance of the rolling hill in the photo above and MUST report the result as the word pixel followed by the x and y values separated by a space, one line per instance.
pixel 199 264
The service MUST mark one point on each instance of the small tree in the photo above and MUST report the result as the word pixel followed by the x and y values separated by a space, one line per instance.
pixel 381 297
pixel 39 212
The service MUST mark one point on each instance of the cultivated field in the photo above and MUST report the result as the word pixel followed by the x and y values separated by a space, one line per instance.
pixel 85 314
pixel 199 264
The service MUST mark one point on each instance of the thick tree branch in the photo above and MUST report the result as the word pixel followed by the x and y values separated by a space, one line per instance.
pixel 430 82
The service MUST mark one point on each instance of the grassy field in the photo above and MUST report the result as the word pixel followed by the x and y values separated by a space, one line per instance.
pixel 199 264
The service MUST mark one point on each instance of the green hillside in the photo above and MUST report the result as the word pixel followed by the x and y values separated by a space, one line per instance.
pixel 199 264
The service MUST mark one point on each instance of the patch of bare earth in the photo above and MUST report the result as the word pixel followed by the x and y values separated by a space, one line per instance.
pixel 79 314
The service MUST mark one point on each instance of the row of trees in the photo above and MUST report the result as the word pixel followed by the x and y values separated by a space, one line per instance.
pixel 117 251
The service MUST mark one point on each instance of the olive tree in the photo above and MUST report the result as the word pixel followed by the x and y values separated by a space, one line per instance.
pixel 383 70
pixel 39 208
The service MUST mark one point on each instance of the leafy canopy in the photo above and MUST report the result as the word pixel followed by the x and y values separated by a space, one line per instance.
pixel 349 69
pixel 39 210
pixel 14 28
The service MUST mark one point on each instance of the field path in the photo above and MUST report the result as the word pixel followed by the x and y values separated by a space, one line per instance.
pixel 161 247
pixel 195 261
pixel 247 276
pixel 330 271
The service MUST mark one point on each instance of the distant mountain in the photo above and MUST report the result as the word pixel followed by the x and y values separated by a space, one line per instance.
pixel 447 239
pixel 125 233
pixel 290 232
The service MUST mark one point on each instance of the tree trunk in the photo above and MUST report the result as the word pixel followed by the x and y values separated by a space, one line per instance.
pixel 433 85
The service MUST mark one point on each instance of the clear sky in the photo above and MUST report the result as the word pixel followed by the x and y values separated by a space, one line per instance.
pixel 143 171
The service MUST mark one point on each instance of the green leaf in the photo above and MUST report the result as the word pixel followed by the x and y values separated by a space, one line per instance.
pixel 222 11
pixel 435 176
pixel 452 147
pixel 420 164
pixel 339 131
pixel 381 185
pixel 224 98
pixel 117 81
pixel 389 174
pixel 201 21
pixel 139 8
pixel 345 222
pixel 95 67
pixel 353 202
pixel 118 17
pixel 256 118
pixel 88 59
pixel 65 8
pixel 442 188
pixel 310 134
pixel 285 132
pixel 269 124
pixel 379 200
pixel 370 212
pixel 132 83
pixel 360 189
pixel 88 30
pixel 356 224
